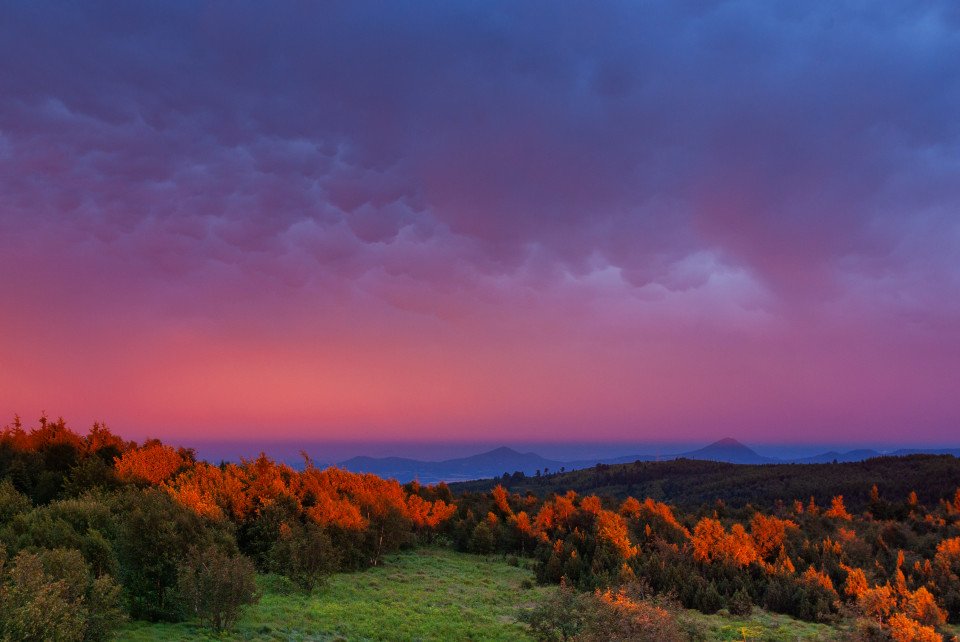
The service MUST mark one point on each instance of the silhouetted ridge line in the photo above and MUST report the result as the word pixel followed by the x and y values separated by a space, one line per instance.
pixel 501 460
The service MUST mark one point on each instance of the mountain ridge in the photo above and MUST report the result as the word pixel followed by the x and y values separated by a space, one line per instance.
pixel 505 460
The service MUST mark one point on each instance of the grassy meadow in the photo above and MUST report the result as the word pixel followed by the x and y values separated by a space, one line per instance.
pixel 429 594
pixel 435 594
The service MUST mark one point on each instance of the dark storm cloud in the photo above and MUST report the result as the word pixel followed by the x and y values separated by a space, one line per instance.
pixel 795 141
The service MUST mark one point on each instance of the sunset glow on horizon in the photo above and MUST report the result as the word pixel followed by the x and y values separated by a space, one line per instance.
pixel 658 221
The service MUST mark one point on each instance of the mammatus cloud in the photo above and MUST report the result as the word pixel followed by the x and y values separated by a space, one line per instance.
pixel 651 197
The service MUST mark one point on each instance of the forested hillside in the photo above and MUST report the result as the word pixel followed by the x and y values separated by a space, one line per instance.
pixel 691 483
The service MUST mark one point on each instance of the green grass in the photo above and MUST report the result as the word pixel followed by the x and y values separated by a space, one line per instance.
pixel 761 625
pixel 420 595
pixel 433 594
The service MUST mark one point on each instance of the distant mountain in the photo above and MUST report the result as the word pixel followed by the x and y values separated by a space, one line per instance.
pixel 485 465
pixel 926 451
pixel 729 450
pixel 502 460
pixel 834 456
pixel 399 468
pixel 626 459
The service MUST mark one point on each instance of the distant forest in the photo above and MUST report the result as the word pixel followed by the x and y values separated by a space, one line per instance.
pixel 94 529
pixel 691 483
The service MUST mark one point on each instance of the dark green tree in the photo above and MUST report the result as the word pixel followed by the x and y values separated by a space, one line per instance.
pixel 215 587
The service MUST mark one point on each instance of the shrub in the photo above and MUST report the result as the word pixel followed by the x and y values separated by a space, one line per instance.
pixel 90 473
pixel 12 502
pixel 481 539
pixel 922 607
pixel 304 554
pixel 561 616
pixel 100 596
pixel 86 524
pixel 740 603
pixel 629 615
pixel 631 612
pixel 903 629
pixel 258 536
pixel 708 599
pixel 868 630
pixel 215 587
pixel 51 596
pixel 155 537
pixel 34 606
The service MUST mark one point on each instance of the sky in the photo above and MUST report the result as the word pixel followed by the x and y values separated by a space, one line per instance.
pixel 644 221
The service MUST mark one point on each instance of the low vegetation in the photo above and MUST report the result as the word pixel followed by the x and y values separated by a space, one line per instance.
pixel 427 594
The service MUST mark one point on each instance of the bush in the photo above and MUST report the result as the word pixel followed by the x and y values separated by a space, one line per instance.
pixel 86 524
pixel 816 604
pixel 629 614
pixel 155 536
pixel 215 587
pixel 903 629
pixel 34 606
pixel 52 597
pixel 12 502
pixel 258 536
pixel 740 603
pixel 304 554
pixel 90 473
pixel 708 599
pixel 560 616
pixel 481 539
pixel 100 596
pixel 868 630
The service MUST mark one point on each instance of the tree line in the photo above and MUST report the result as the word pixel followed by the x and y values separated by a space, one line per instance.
pixel 690 483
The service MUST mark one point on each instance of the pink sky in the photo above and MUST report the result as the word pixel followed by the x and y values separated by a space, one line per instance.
pixel 482 223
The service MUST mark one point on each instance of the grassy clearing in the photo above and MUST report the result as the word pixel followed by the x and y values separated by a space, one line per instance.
pixel 760 625
pixel 420 595
pixel 435 594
